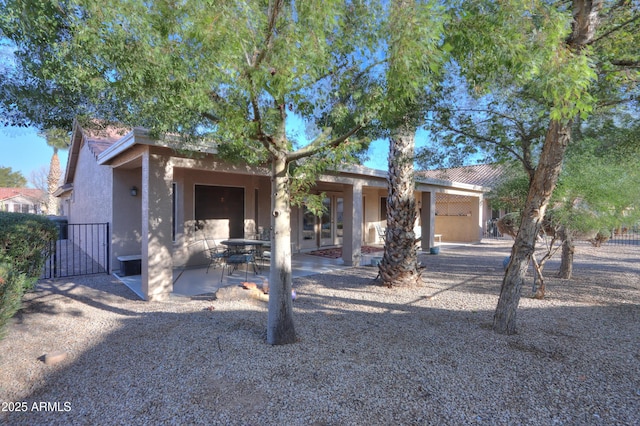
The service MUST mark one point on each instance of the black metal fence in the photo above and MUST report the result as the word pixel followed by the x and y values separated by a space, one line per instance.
pixel 625 236
pixel 491 230
pixel 81 249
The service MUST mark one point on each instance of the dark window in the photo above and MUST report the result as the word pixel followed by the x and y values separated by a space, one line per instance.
pixel 383 208
pixel 221 202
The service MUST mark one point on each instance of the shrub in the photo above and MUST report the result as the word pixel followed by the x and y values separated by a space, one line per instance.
pixel 25 241
pixel 12 288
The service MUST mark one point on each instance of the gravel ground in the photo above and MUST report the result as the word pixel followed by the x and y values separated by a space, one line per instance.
pixel 367 355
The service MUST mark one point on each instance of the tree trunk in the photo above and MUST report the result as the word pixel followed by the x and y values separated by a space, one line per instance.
pixel 280 327
pixel 53 180
pixel 566 263
pixel 538 279
pixel 399 265
pixel 540 191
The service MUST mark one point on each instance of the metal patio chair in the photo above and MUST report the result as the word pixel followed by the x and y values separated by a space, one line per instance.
pixel 215 253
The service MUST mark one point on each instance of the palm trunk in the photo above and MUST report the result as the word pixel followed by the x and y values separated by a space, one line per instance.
pixel 540 191
pixel 53 180
pixel 280 326
pixel 399 265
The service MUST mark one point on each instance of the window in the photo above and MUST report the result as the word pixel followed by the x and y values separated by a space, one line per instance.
pixel 383 208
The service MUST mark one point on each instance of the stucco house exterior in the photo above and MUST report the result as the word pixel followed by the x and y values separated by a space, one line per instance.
pixel 159 201
pixel 483 175
pixel 21 200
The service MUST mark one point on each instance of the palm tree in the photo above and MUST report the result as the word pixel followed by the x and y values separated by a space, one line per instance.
pixel 56 139
pixel 399 265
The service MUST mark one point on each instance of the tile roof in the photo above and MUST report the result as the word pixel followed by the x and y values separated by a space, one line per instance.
pixel 487 175
pixel 7 193
pixel 100 137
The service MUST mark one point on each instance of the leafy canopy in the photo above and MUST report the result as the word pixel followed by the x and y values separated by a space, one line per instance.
pixel 11 179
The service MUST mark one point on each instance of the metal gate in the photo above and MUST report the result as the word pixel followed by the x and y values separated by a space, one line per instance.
pixel 81 249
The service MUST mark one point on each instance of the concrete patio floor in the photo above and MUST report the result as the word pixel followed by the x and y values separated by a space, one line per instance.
pixel 194 281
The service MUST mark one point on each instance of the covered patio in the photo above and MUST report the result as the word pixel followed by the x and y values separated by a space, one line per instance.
pixel 194 280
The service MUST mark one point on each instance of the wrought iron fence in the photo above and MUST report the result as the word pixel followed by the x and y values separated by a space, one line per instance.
pixel 628 236
pixel 492 229
pixel 81 249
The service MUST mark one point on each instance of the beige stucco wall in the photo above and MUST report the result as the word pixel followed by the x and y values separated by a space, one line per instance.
pixel 462 228
pixel 91 200
pixel 126 230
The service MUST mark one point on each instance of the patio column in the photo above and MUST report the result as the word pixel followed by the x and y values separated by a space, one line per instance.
pixel 157 262
pixel 477 214
pixel 352 220
pixel 428 219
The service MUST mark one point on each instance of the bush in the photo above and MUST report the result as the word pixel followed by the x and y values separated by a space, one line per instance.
pixel 25 244
pixel 12 288
pixel 25 241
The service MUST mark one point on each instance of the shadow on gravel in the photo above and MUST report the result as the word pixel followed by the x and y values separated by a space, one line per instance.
pixel 406 364
pixel 366 355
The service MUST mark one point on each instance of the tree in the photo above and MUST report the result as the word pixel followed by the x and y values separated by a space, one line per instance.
pixel 11 179
pixel 415 58
pixel 553 58
pixel 596 193
pixel 57 139
pixel 230 72
pixel 38 178
pixel 598 189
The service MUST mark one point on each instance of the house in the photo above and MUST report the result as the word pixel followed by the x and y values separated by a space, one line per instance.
pixel 21 200
pixel 160 200
pixel 483 175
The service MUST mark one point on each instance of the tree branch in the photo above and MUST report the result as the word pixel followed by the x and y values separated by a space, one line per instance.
pixel 274 11
pixel 319 145
pixel 626 63
pixel 210 117
pixel 613 30
pixel 485 139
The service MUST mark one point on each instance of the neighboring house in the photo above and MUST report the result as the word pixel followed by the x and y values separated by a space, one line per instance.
pixel 160 202
pixel 21 200
pixel 483 175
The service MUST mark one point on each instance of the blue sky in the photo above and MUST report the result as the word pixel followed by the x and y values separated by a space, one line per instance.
pixel 24 151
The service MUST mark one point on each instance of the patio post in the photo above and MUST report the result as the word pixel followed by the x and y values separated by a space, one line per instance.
pixel 428 219
pixel 157 262
pixel 353 219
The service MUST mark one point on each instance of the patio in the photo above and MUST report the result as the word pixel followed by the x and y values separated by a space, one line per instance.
pixel 193 281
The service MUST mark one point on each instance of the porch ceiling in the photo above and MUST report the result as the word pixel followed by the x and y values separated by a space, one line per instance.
pixel 134 163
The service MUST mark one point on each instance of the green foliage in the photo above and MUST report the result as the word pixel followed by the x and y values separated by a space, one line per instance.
pixel 24 246
pixel 598 188
pixel 511 193
pixel 516 68
pixel 56 138
pixel 25 241
pixel 12 287
pixel 11 179
pixel 232 70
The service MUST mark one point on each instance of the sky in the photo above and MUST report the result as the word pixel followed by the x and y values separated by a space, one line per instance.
pixel 24 151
